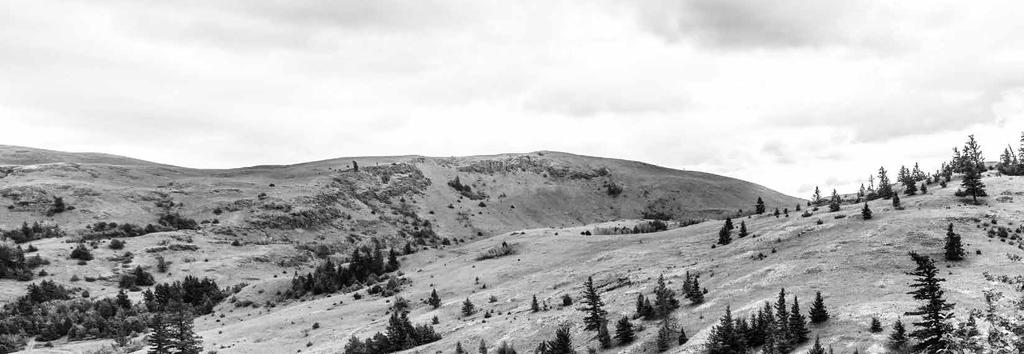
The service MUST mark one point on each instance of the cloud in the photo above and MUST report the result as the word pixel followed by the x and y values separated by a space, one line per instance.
pixel 762 24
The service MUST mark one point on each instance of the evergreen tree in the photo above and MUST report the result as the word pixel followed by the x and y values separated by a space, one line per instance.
pixel 664 339
pixel 834 202
pixel 467 307
pixel 884 187
pixel 593 306
pixel 954 248
pixel 505 348
pixel 696 294
pixel 759 206
pixel 392 261
pixel 776 213
pixel 909 185
pixel 682 336
pixel 458 348
pixel 355 166
pixel 865 213
pixel 643 307
pixel 972 158
pixel 817 348
pixel 797 324
pixel 624 331
pixel 534 306
pixel 972 184
pixel 603 336
pixel 724 235
pixel 782 323
pixel 434 300
pixel 185 339
pixel 562 344
pixel 723 338
pixel 797 206
pixel 933 328
pixel 664 299
pixel 161 338
pixel 924 188
pixel 816 198
pixel 898 337
pixel 482 349
pixel 896 201
pixel 728 224
pixel 818 312
pixel 876 325
pixel 743 226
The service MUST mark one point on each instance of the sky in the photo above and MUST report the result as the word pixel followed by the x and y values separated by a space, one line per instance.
pixel 790 94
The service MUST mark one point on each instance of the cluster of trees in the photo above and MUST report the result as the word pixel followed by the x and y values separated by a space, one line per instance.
pixel 136 278
pixel 33 232
pixel 640 228
pixel 1010 163
pixel 173 332
pixel 50 311
pixel 776 329
pixel 364 265
pixel 465 189
pixel 725 233
pixel 399 335
pixel 14 264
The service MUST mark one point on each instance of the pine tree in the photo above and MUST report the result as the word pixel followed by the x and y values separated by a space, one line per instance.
pixel 624 331
pixel 562 344
pixel 434 300
pixel 185 339
pixel 876 325
pixel 972 184
pixel 355 166
pixel 664 299
pixel 728 224
pixel 160 340
pixel 817 349
pixel 909 185
pixel 934 310
pixel 743 226
pixel 696 294
pixel 603 336
pixel 954 248
pixel 643 307
pixel 797 323
pixel 896 201
pixel 972 158
pixel 482 349
pixel 682 336
pixel 468 308
pixel 723 338
pixel 884 187
pixel 664 339
pixel 593 306
pixel 797 206
pixel 924 188
pixel 534 306
pixel 458 348
pixel 834 202
pixel 782 322
pixel 392 261
pixel 898 337
pixel 818 312
pixel 724 235
pixel 865 213
pixel 505 348
pixel 759 206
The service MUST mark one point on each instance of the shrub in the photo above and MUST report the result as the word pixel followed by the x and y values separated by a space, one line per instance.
pixel 116 244
pixel 81 252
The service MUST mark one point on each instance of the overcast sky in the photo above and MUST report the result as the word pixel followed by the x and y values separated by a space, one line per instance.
pixel 786 93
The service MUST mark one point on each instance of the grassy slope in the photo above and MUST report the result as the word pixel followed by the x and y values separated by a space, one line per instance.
pixel 857 264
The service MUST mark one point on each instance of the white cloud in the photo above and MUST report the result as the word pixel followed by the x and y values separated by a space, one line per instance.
pixel 785 93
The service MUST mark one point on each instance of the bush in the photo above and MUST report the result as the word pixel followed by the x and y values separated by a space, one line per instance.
pixel 81 252
pixel 116 244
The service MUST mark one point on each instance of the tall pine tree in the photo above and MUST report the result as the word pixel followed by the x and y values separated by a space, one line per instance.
pixel 624 331
pixel 818 312
pixel 759 206
pixel 797 324
pixel 593 306
pixel 884 186
pixel 934 311
pixel 954 247
pixel 972 184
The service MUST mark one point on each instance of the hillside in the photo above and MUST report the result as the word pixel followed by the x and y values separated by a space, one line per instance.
pixel 857 264
pixel 387 197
